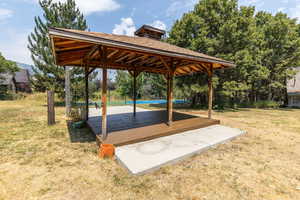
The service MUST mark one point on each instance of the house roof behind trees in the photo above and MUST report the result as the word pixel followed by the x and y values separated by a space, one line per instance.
pixel 22 76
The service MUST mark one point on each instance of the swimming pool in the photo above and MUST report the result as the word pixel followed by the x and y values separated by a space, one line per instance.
pixel 159 101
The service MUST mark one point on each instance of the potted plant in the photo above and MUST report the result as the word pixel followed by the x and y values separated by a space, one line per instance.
pixel 76 117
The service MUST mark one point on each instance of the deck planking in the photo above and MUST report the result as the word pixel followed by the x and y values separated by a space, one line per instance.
pixel 125 128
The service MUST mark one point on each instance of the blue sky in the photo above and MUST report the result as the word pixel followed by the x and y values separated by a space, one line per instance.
pixel 109 16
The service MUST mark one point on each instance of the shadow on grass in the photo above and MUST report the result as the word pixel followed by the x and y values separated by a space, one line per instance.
pixel 80 135
pixel 288 108
pixel 187 107
pixel 175 106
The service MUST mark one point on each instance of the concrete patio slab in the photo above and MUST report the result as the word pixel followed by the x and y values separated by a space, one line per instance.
pixel 144 157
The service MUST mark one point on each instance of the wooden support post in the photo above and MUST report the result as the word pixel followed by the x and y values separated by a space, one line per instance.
pixel 134 92
pixel 210 92
pixel 167 104
pixel 68 98
pixel 170 99
pixel 51 111
pixel 86 93
pixel 104 103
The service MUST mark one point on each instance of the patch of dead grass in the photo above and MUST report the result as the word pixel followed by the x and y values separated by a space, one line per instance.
pixel 40 162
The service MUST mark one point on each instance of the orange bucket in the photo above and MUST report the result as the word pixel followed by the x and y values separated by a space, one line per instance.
pixel 106 151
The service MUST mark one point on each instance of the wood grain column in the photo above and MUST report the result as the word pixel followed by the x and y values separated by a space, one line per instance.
pixel 104 103
pixel 167 104
pixel 50 105
pixel 134 92
pixel 86 93
pixel 170 99
pixel 210 92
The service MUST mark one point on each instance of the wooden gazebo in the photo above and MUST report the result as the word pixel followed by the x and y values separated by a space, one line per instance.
pixel 141 53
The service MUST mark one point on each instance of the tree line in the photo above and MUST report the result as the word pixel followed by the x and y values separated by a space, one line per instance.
pixel 265 47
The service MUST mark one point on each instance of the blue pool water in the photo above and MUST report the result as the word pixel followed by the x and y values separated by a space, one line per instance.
pixel 161 101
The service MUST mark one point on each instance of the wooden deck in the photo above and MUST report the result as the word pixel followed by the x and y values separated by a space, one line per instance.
pixel 124 128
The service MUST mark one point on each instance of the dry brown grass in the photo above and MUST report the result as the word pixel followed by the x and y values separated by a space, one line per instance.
pixel 40 162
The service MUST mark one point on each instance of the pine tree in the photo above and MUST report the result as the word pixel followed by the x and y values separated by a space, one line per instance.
pixel 60 15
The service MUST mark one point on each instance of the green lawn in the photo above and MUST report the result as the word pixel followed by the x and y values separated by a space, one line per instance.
pixel 41 162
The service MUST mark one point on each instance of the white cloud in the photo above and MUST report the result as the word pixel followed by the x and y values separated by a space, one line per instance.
pixel 92 6
pixel 177 7
pixel 5 13
pixel 159 24
pixel 256 3
pixel 253 1
pixel 126 27
pixel 14 45
pixel 281 9
pixel 295 12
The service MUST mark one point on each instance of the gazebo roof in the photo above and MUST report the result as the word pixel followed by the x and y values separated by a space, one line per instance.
pixel 77 48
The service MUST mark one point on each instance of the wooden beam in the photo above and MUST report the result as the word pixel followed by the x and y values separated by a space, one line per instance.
pixel 75 55
pixel 115 56
pixel 196 69
pixel 89 54
pixel 127 67
pixel 135 59
pixel 170 67
pixel 131 73
pixel 68 61
pixel 53 50
pixel 138 73
pixel 170 99
pixel 65 42
pixel 210 92
pixel 103 62
pixel 104 104
pixel 205 68
pixel 145 61
pixel 165 63
pixel 134 92
pixel 72 48
pixel 91 71
pixel 50 105
pixel 152 61
pixel 86 92
pixel 123 57
pixel 112 53
pixel 71 52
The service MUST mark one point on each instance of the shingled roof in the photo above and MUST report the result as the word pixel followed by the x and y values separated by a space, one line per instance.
pixel 81 43
pixel 22 76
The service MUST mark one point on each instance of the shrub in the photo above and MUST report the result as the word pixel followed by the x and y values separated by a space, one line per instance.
pixel 9 95
pixel 75 115
pixel 266 104
pixel 78 113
